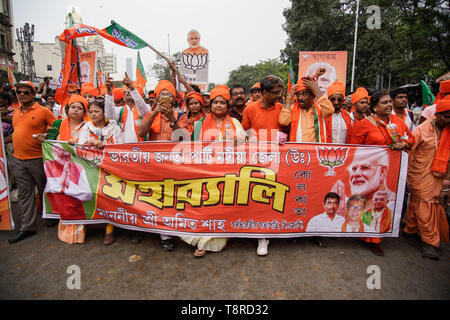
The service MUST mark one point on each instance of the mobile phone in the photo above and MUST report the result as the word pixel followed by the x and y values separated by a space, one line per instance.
pixel 164 101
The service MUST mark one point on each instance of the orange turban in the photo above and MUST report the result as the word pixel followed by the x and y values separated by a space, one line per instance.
pixel 336 87
pixel 300 86
pixel 220 91
pixel 257 85
pixel 102 90
pixel 443 105
pixel 165 85
pixel 151 95
pixel 77 98
pixel 89 88
pixel 359 94
pixel 444 86
pixel 197 96
pixel 223 87
pixel 118 93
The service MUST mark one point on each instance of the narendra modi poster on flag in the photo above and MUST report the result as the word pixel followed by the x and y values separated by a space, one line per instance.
pixel 216 189
pixel 334 62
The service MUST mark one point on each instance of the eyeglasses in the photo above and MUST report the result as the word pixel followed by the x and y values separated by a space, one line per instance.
pixel 340 100
pixel 19 92
pixel 234 94
pixel 353 207
pixel 165 95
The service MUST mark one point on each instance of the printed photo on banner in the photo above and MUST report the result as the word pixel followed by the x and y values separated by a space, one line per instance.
pixel 334 62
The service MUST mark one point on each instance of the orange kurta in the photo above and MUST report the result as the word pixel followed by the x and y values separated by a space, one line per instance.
pixel 424 213
pixel 165 132
pixel 259 118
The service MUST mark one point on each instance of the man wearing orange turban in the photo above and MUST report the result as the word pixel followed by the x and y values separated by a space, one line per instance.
pixel 444 90
pixel 339 125
pixel 360 105
pixel 165 124
pixel 428 181
pixel 310 104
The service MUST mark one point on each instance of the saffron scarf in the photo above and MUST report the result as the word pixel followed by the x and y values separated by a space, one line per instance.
pixel 65 131
pixel 440 161
pixel 319 123
pixel 226 130
pixel 123 119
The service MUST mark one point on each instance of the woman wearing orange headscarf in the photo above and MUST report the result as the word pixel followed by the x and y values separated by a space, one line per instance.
pixel 68 130
pixel 195 104
pixel 218 125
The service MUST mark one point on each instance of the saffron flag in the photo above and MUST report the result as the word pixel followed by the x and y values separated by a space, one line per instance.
pixel 12 80
pixel 215 189
pixel 140 73
pixel 427 95
pixel 69 74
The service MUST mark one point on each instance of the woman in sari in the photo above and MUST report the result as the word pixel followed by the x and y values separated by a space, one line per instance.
pixel 68 130
pixel 385 129
pixel 98 132
pixel 217 125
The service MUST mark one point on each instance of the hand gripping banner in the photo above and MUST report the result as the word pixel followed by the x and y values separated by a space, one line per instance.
pixel 218 190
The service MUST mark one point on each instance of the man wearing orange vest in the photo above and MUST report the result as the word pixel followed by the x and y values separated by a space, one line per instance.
pixel 339 125
pixel 307 115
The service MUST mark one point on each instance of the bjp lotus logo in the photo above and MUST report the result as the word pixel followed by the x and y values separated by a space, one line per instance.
pixel 195 62
pixel 91 154
pixel 331 158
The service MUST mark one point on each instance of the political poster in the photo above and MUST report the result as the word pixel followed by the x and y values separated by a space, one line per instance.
pixel 335 63
pixel 216 189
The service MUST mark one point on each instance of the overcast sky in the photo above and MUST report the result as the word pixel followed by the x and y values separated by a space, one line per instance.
pixel 236 32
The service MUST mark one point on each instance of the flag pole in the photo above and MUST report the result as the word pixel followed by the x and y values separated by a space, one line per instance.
pixel 354 44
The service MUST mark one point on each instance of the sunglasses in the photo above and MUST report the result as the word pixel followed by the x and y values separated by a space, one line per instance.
pixel 19 92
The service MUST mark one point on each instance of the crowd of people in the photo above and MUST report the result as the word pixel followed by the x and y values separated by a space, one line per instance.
pixel 108 115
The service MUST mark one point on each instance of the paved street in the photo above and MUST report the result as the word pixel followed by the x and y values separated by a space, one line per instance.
pixel 36 268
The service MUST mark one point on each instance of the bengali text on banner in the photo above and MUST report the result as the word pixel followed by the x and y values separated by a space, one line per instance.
pixel 219 190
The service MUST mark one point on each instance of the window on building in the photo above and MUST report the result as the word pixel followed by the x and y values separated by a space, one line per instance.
pixel 3 41
pixel 49 67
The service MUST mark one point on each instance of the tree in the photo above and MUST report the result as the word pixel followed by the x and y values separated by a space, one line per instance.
pixel 247 76
pixel 412 41
pixel 161 69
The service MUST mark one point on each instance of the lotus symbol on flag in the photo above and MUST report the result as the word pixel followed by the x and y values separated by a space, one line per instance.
pixel 331 157
pixel 91 154
pixel 194 62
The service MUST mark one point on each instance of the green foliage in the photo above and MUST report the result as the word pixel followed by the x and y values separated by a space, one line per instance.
pixel 247 76
pixel 161 69
pixel 413 40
